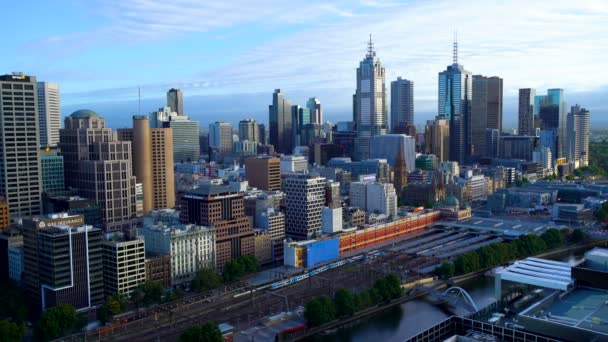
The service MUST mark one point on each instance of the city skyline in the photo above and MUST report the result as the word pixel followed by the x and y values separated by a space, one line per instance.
pixel 92 41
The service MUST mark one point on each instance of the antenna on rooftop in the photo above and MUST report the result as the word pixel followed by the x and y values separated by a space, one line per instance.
pixel 138 100
pixel 455 58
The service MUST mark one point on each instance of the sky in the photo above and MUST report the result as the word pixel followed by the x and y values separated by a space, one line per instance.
pixel 229 56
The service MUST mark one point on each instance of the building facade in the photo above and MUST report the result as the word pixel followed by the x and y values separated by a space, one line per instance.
pixel 220 138
pixel 578 136
pixel 52 173
pixel 175 101
pixel 437 139
pixel 124 265
pixel 186 134
pixel 263 172
pixel 305 200
pixel 402 105
pixel 316 113
pixel 49 113
pixel 525 113
pixel 249 129
pixel 280 121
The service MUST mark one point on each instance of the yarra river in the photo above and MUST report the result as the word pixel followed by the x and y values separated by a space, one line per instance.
pixel 410 318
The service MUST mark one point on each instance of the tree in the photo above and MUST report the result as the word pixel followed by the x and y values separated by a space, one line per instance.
pixel 446 270
pixel 319 311
pixel 552 238
pixel 345 303
pixel 12 302
pixel 11 331
pixel 208 332
pixel 577 236
pixel 364 300
pixel 393 286
pixel 205 280
pixel 58 321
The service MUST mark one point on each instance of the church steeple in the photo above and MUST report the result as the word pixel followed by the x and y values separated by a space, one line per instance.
pixel 400 171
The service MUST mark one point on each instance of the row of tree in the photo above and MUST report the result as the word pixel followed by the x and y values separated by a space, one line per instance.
pixel 208 332
pixel 207 279
pixel 321 310
pixel 503 252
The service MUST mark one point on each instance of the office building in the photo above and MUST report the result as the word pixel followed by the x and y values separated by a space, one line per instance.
pixel 525 114
pixel 377 167
pixel 186 143
pixel 69 202
pixel 175 101
pixel 381 199
pixel 272 222
pixel 222 209
pixel 4 214
pixel 305 200
pixel 492 141
pixel 578 136
pixel 300 117
pixel 52 173
pixel 518 147
pixel 244 148
pixel 62 262
pixel 387 147
pixel 11 243
pixel 316 113
pixel 99 167
pixel 20 181
pixel 486 111
pixel 191 246
pixel 293 163
pixel 220 139
pixel 158 269
pixel 551 110
pixel 249 129
pixel 437 139
pixel 49 113
pixel 369 112
pixel 455 95
pixel 402 105
pixel 124 263
pixel 263 172
pixel 280 121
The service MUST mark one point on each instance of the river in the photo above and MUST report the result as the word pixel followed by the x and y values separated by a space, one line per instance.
pixel 410 318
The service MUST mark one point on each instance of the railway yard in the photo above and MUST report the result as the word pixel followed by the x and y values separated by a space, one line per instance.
pixel 245 305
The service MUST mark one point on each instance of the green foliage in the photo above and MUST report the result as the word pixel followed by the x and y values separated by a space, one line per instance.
pixel 58 321
pixel 235 269
pixel 552 238
pixel 467 262
pixel 446 270
pixel 209 332
pixel 147 293
pixel 13 303
pixel 205 280
pixel 602 214
pixel 570 177
pixel 522 181
pixel 319 311
pixel 345 303
pixel 529 245
pixel 598 159
pixel 577 236
pixel 11 331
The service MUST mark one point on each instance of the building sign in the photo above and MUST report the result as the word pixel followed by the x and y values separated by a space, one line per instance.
pixel 72 221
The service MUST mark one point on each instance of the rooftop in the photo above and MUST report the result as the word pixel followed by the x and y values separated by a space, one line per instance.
pixel 538 272
pixel 510 226
pixel 85 114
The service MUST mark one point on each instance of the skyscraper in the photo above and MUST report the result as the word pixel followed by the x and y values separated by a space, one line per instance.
pixel 53 179
pixel 495 91
pixel 369 112
pixel 280 120
pixel 20 181
pixel 264 172
pixel 300 117
pixel 578 136
pixel 49 113
pixel 455 95
pixel 316 113
pixel 175 101
pixel 100 167
pixel 402 105
pixel 220 138
pixel 437 138
pixel 552 114
pixel 525 124
pixel 305 200
pixel 249 129
pixel 486 112
pixel 186 143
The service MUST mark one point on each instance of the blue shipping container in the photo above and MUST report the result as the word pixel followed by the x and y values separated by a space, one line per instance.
pixel 322 251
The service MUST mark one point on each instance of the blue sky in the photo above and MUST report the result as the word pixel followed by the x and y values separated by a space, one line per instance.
pixel 229 56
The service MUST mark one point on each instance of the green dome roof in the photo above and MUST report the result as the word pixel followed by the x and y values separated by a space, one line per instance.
pixel 84 114
pixel 451 201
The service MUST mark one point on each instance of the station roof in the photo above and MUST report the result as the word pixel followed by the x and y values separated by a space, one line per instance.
pixel 538 272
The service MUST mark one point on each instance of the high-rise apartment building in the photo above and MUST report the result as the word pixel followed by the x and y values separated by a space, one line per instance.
pixel 62 262
pixel 437 139
pixel 316 113
pixel 369 107
pixel 486 111
pixel 578 136
pixel 249 129
pixel 220 138
pixel 402 105
pixel 124 263
pixel 186 143
pixel 20 180
pixel 99 167
pixel 264 172
pixel 305 200
pixel 175 101
pixel 525 123
pixel 49 113
pixel 153 164
pixel 552 113
pixel 455 95
pixel 280 120
pixel 221 208
pixel 53 179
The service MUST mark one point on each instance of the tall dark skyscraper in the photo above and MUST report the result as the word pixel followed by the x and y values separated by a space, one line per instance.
pixel 20 176
pixel 402 105
pixel 486 112
pixel 525 114
pixel 280 120
pixel 552 113
pixel 369 112
pixel 175 101
pixel 455 95
pixel 316 113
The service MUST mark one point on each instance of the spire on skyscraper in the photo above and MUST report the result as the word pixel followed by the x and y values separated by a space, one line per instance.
pixel 455 58
pixel 370 47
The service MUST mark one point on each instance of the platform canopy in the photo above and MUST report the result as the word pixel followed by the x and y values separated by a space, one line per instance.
pixel 538 272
